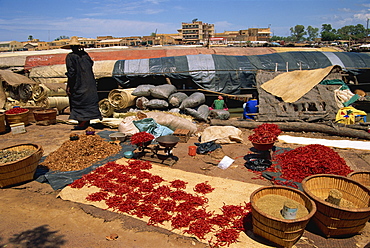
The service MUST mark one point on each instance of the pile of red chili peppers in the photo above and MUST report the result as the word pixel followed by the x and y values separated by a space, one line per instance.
pixel 131 189
pixel 265 133
pixel 309 160
pixel 15 111
pixel 141 138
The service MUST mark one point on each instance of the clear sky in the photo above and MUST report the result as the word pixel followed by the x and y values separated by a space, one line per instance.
pixel 47 20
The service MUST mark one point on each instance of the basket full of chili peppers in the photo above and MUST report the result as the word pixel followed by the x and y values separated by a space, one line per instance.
pixel 264 136
pixel 16 115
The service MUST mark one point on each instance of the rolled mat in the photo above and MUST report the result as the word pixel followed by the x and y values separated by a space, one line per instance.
pixel 106 109
pixel 59 103
pixel 121 98
pixel 41 92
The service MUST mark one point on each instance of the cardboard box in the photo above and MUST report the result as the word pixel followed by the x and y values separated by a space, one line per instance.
pixel 18 128
pixel 183 134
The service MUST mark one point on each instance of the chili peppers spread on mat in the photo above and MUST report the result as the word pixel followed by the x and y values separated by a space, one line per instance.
pixel 265 133
pixel 310 160
pixel 140 138
pixel 15 111
pixel 132 190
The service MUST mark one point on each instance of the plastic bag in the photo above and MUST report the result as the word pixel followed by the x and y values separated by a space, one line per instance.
pixel 203 148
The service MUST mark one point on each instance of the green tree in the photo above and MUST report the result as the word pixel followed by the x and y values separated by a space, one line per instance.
pixel 62 37
pixel 354 32
pixel 328 33
pixel 312 32
pixel 298 32
pixel 30 37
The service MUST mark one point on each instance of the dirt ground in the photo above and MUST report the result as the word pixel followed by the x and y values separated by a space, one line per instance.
pixel 32 216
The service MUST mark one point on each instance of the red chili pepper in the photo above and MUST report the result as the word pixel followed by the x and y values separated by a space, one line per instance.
pixel 15 111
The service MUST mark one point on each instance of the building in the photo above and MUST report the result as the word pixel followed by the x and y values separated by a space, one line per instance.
pixel 196 32
pixel 10 46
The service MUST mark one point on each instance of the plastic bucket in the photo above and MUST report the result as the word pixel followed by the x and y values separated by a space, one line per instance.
pixel 192 150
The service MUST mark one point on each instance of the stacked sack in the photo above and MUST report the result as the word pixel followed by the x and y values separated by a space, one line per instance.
pixel 166 97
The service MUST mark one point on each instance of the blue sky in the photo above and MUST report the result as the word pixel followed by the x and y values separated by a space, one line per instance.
pixel 50 19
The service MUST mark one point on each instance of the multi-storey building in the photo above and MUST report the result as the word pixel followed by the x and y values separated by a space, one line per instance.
pixel 196 32
pixel 10 46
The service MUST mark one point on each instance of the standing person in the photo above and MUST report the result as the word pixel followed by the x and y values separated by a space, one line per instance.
pixel 219 103
pixel 81 86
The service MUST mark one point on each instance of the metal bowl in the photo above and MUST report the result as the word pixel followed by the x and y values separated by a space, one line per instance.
pixel 118 136
pixel 168 140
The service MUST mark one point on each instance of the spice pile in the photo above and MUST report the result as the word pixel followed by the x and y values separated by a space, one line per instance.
pixel 309 160
pixel 131 189
pixel 79 154
pixel 265 134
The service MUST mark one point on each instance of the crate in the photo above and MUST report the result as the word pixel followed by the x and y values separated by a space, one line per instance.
pixel 183 134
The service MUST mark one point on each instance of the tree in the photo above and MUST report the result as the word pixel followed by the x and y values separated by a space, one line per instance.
pixel 30 37
pixel 298 32
pixel 353 32
pixel 328 33
pixel 312 32
pixel 62 37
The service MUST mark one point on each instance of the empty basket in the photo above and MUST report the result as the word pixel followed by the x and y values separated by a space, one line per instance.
pixel 362 177
pixel 23 169
pixel 282 232
pixel 335 220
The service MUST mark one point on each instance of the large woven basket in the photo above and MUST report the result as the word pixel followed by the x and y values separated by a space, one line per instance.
pixel 2 123
pixel 45 116
pixel 282 232
pixel 21 170
pixel 17 118
pixel 332 220
pixel 362 177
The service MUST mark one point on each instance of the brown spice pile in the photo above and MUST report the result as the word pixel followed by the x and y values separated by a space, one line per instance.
pixel 80 154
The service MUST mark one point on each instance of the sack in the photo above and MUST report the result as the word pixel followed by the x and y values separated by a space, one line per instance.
pixel 194 100
pixel 162 91
pixel 176 99
pixel 142 90
pixel 201 114
pixel 157 104
pixel 219 114
pixel 141 102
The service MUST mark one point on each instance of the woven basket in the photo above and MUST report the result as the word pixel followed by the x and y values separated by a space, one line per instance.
pixel 21 170
pixel 282 232
pixel 362 177
pixel 332 220
pixel 45 117
pixel 17 118
pixel 2 123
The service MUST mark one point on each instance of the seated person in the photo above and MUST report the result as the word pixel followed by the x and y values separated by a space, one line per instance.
pixel 219 103
pixel 250 108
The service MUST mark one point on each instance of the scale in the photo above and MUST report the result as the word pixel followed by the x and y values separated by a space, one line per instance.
pixel 163 150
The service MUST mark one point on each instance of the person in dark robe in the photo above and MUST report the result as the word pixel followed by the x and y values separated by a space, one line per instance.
pixel 81 86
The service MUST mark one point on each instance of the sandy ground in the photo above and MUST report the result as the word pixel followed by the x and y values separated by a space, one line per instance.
pixel 32 215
